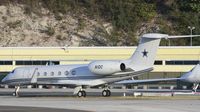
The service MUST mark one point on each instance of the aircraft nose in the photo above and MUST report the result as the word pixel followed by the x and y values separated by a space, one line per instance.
pixel 5 78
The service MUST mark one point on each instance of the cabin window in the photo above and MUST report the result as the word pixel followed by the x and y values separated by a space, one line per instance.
pixel 66 73
pixel 52 73
pixel 73 72
pixel 59 73
pixel 45 73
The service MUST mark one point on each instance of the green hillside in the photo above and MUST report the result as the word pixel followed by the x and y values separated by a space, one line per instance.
pixel 129 18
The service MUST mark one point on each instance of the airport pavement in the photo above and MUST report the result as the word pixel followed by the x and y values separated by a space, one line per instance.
pixel 100 104
pixel 35 92
pixel 24 92
pixel 49 101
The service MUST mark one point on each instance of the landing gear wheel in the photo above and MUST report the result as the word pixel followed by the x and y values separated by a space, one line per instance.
pixel 106 93
pixel 14 94
pixel 81 94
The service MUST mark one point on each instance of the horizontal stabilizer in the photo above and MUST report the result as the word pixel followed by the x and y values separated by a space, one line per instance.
pixel 183 36
pixel 160 36
pixel 155 35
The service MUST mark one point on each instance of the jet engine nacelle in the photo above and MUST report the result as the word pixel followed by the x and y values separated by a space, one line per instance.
pixel 106 67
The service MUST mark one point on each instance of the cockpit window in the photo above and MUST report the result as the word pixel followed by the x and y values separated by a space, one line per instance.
pixel 192 70
pixel 13 71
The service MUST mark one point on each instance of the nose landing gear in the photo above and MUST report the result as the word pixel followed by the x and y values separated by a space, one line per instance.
pixel 16 93
pixel 195 86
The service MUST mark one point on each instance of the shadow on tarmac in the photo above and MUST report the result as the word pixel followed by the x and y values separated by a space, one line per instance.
pixel 34 109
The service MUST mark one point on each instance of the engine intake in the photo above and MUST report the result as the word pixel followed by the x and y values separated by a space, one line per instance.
pixel 122 67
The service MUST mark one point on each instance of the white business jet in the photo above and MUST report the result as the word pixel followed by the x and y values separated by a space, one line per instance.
pixel 96 73
pixel 193 76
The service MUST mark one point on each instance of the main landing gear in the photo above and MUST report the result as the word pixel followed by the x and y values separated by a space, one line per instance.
pixel 106 93
pixel 81 93
pixel 16 93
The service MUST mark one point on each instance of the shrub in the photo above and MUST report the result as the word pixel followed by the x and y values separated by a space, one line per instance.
pixel 49 31
pixel 15 24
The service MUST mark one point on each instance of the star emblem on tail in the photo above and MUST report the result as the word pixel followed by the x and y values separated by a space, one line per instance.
pixel 145 53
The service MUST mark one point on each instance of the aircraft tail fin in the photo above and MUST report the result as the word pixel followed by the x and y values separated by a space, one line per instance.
pixel 145 54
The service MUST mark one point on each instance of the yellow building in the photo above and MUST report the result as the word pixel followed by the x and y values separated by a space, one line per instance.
pixel 168 60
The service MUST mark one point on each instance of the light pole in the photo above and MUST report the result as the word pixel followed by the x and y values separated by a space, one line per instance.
pixel 191 29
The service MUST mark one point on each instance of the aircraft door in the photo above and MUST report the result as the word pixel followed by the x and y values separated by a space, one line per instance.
pixel 26 73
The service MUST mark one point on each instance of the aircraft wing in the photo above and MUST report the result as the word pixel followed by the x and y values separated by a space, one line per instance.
pixel 146 81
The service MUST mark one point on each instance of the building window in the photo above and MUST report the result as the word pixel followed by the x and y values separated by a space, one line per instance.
pixel 37 62
pixel 44 62
pixel 169 62
pixel 190 62
pixel 158 62
pixel 45 73
pixel 59 73
pixel 6 62
pixel 28 63
pixel 66 73
pixel 19 63
pixel 55 62
pixel 174 62
pixel 50 62
pixel 182 62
